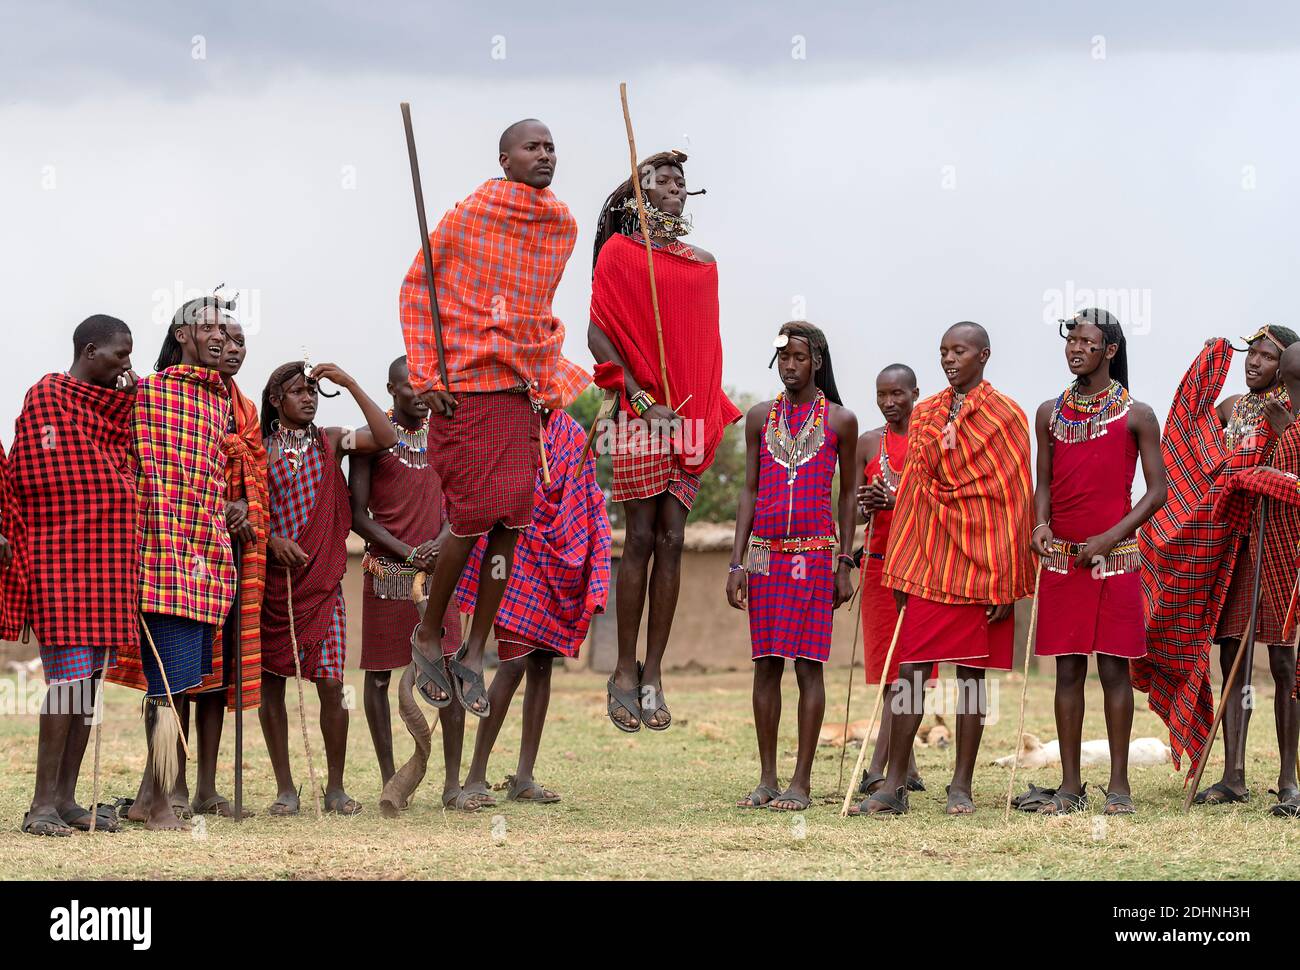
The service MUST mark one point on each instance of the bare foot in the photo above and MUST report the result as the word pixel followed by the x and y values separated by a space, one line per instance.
pixel 959 802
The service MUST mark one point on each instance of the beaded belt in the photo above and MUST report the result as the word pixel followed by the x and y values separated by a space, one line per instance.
pixel 390 580
pixel 1123 558
pixel 759 559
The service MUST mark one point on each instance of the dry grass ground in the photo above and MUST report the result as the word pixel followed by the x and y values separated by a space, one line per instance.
pixel 660 806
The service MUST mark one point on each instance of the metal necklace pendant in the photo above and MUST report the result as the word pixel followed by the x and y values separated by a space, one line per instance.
pixel 412 448
pixel 293 445
pixel 792 450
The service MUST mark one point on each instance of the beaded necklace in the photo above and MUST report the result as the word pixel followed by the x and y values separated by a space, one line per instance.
pixel 1109 404
pixel 888 474
pixel 958 399
pixel 1246 412
pixel 293 444
pixel 412 448
pixel 792 450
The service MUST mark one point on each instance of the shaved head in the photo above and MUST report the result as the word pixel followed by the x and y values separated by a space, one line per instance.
pixel 899 372
pixel 526 153
pixel 1289 366
pixel 971 331
pixel 397 370
pixel 516 131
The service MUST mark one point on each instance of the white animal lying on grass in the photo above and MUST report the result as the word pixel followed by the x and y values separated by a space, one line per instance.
pixel 1036 754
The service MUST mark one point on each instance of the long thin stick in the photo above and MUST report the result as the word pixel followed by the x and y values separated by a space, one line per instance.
pixel 424 244
pixel 166 687
pixel 871 728
pixel 1024 685
pixel 546 468
pixel 853 657
pixel 1231 679
pixel 649 250
pixel 302 704
pixel 237 682
pixel 99 720
pixel 1248 664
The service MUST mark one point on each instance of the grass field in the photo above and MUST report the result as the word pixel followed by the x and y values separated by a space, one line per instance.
pixel 660 806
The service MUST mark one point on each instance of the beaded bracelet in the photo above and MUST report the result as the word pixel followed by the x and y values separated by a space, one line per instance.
pixel 735 567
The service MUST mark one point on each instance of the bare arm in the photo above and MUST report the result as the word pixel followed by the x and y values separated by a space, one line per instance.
pixel 376 435
pixel 845 423
pixel 737 585
pixel 359 473
pixel 1145 427
pixel 1041 539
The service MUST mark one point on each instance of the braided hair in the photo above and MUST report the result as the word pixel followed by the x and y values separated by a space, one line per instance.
pixel 823 376
pixel 611 213
pixel 186 316
pixel 1111 333
pixel 281 376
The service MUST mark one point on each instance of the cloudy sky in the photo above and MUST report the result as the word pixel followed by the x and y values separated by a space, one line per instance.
pixel 882 169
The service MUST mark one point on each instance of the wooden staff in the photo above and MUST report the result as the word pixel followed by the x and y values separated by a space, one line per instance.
pixel 853 657
pixel 546 468
pixel 649 250
pixel 302 704
pixel 1231 679
pixel 424 244
pixel 99 720
pixel 167 688
pixel 871 728
pixel 1024 685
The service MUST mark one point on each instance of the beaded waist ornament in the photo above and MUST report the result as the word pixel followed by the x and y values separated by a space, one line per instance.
pixel 390 580
pixel 758 557
pixel 1098 410
pixel 1123 558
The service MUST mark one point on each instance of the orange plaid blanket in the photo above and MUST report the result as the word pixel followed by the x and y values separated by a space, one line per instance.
pixel 498 257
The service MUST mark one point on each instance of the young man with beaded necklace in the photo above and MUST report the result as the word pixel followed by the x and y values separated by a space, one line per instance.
pixel 1090 591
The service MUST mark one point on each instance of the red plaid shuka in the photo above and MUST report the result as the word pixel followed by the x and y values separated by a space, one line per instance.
pixel 71 475
pixel 560 575
pixel 645 465
pixel 187 569
pixel 1188 554
pixel 13 577
pixel 498 257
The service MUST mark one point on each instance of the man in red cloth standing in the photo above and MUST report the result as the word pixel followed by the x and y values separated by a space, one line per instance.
pixel 1090 590
pixel 656 470
pixel 498 256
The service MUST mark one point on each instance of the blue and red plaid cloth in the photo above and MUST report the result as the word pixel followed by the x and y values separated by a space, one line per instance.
pixel 1188 553
pixel 498 257
pixel 560 575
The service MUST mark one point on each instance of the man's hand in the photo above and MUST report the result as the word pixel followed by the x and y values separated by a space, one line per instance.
pixel 286 552
pixel 900 599
pixel 246 534
pixel 425 555
pixel 440 403
pixel 333 372
pixel 1041 540
pixel 6 552
pixel 236 515
pixel 1095 548
pixel 874 496
pixel 999 612
pixel 658 415
pixel 843 585
pixel 738 589
pixel 127 380
pixel 1278 417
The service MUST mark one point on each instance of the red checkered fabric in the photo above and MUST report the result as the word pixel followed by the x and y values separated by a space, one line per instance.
pixel 13 577
pixel 311 507
pixel 560 575
pixel 1188 554
pixel 645 466
pixel 498 257
pixel 72 479
pixel 487 456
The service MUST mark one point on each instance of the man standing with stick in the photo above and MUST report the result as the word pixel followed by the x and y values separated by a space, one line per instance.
pixel 483 348
pixel 958 556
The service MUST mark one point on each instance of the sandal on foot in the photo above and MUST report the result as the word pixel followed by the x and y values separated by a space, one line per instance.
pixel 461 800
pixel 1288 806
pixel 916 784
pixel 1117 804
pixel 759 797
pixel 485 797
pixel 1034 799
pixel 47 823
pixel 430 672
pixel 871 780
pixel 517 791
pixel 212 806
pixel 626 700
pixel 895 804
pixel 1064 802
pixel 340 803
pixel 105 818
pixel 282 807
pixel 657 707
pixel 1220 794
pixel 468 685
pixel 960 800
pixel 801 802
pixel 181 809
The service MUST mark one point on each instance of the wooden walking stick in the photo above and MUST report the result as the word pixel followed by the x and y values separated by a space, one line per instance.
pixel 871 727
pixel 1024 685
pixel 99 720
pixel 1231 679
pixel 649 250
pixel 424 244
pixel 856 605
pixel 302 704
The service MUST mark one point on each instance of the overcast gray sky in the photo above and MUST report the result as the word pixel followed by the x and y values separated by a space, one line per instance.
pixel 884 169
